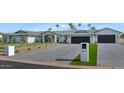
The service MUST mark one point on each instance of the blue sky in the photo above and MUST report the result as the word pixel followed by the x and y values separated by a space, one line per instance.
pixel 12 27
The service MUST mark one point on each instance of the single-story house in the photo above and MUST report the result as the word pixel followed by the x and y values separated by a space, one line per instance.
pixel 1 35
pixel 23 36
pixel 105 35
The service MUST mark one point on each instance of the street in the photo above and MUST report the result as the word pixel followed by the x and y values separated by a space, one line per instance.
pixel 16 65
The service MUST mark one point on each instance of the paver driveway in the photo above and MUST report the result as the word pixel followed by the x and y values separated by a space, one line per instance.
pixel 111 55
pixel 63 53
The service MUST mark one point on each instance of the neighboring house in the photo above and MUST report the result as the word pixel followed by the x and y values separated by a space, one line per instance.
pixel 1 35
pixel 23 37
pixel 105 35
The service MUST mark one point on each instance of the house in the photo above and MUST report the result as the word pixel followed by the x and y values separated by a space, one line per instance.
pixel 1 36
pixel 23 37
pixel 105 35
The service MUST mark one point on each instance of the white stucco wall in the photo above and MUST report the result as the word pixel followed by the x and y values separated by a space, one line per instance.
pixel 0 36
pixel 31 39
pixel 92 39
pixel 69 39
pixel 61 39
pixel 120 40
pixel 55 38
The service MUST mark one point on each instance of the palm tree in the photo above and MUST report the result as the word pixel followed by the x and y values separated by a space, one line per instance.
pixel 49 29
pixel 91 27
pixel 79 25
pixel 57 26
pixel 72 27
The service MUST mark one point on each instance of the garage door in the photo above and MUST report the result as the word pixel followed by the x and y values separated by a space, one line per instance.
pixel 106 38
pixel 77 40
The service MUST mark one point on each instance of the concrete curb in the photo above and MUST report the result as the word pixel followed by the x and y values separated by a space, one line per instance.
pixel 56 64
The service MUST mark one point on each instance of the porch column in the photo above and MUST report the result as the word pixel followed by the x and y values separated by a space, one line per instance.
pixel 55 38
pixel 69 39
pixel 43 38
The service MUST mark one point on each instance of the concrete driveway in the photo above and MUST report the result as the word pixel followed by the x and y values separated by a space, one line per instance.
pixel 63 54
pixel 111 55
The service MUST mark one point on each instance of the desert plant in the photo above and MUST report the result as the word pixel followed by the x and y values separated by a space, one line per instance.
pixel 16 51
pixel 39 47
pixel 37 41
pixel 29 49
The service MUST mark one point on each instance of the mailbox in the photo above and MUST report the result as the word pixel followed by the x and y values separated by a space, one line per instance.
pixel 10 51
pixel 84 46
pixel 84 52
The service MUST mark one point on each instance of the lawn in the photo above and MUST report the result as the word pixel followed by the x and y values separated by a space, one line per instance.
pixel 92 57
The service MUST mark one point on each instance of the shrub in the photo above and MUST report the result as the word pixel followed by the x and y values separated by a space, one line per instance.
pixel 16 51
pixel 39 47
pixel 29 49
pixel 122 36
pixel 38 41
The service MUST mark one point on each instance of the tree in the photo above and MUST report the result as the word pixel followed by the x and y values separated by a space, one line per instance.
pixel 14 40
pixel 72 27
pixel 57 26
pixel 79 25
pixel 122 36
pixel 91 27
pixel 24 39
pixel 49 29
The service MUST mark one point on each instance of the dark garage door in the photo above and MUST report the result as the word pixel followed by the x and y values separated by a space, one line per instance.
pixel 77 40
pixel 106 38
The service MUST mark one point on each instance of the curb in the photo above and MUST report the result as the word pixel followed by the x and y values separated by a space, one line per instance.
pixel 52 63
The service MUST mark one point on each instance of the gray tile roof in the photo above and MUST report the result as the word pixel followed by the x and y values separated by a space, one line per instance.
pixel 108 29
pixel 28 33
pixel 76 32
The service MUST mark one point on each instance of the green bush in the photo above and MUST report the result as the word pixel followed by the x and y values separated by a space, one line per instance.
pixel 38 41
pixel 122 36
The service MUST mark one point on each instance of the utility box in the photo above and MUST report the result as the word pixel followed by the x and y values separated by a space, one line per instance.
pixel 84 52
pixel 10 50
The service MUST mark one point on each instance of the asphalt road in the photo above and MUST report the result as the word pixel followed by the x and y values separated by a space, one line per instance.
pixel 111 55
pixel 16 65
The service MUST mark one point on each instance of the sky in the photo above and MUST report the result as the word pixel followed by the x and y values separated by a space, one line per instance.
pixel 13 27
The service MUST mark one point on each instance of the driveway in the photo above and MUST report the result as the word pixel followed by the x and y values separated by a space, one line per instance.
pixel 64 53
pixel 111 55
